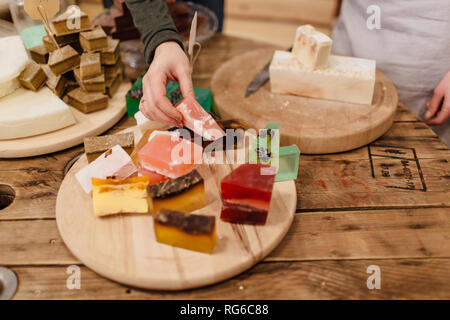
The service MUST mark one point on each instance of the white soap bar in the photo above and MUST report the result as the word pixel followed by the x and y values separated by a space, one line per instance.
pixel 13 60
pixel 113 163
pixel 27 113
pixel 345 79
pixel 311 47
pixel 145 124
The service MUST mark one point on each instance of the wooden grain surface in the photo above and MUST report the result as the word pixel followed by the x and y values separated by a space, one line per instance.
pixel 316 126
pixel 347 219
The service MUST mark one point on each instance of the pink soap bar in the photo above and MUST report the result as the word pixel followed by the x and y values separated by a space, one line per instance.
pixel 198 120
pixel 114 163
pixel 154 178
pixel 167 154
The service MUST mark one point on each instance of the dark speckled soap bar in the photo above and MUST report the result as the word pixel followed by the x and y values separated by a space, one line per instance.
pixel 175 186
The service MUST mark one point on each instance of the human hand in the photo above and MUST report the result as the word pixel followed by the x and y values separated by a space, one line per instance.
pixel 434 115
pixel 170 63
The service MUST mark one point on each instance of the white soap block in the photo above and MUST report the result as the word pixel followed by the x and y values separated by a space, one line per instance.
pixel 345 79
pixel 13 60
pixel 27 113
pixel 113 163
pixel 145 124
pixel 311 47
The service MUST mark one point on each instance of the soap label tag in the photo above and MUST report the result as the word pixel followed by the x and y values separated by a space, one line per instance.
pixel 49 8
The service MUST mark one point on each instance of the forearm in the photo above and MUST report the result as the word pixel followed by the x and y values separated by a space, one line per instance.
pixel 153 21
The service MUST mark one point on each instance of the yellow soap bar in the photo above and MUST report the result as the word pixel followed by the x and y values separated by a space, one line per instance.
pixel 112 196
pixel 187 201
pixel 187 231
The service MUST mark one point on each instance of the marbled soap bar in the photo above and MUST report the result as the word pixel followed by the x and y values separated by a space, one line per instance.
pixel 246 194
pixel 95 146
pixel 90 66
pixel 111 54
pixel 115 163
pixel 97 84
pixel 63 60
pixel 93 40
pixel 187 231
pixel 185 193
pixel 39 54
pixel 33 77
pixel 113 196
pixel 65 22
pixel 56 83
pixel 87 101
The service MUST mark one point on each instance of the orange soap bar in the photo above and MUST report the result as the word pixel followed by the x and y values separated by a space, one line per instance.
pixel 168 154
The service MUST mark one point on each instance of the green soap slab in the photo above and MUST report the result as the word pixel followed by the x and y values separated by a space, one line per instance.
pixel 32 36
pixel 273 125
pixel 288 163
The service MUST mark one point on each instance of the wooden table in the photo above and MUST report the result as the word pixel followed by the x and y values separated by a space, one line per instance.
pixel 386 204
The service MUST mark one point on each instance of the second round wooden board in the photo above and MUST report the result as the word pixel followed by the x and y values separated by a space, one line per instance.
pixel 90 124
pixel 316 126
pixel 123 247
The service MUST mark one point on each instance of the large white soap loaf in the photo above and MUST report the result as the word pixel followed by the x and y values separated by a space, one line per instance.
pixel 27 113
pixel 13 59
pixel 345 79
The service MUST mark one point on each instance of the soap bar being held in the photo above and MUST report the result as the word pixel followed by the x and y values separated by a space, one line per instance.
pixel 311 47
pixel 187 231
pixel 33 77
pixel 198 120
pixel 115 163
pixel 246 194
pixel 113 196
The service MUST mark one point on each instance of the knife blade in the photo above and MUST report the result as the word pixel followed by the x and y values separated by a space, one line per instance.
pixel 259 80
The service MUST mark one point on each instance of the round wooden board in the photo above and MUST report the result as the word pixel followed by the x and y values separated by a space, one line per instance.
pixel 123 247
pixel 90 124
pixel 316 126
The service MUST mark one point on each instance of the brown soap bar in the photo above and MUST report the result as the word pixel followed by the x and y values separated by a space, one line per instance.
pixel 111 54
pixel 56 83
pixel 48 44
pixel 87 101
pixel 112 84
pixel 174 186
pixel 95 146
pixel 90 66
pixel 93 40
pixel 63 60
pixel 66 23
pixel 39 54
pixel 112 70
pixel 33 77
pixel 96 84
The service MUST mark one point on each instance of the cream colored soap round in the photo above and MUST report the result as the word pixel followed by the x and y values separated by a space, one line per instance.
pixel 13 59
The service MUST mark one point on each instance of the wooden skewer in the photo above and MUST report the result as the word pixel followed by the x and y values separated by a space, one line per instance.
pixel 47 24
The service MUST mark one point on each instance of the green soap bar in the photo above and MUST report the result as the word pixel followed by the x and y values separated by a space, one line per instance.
pixel 288 163
pixel 32 36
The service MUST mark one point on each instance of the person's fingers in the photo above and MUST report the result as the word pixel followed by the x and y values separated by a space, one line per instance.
pixel 153 113
pixel 442 115
pixel 435 102
pixel 158 91
pixel 185 80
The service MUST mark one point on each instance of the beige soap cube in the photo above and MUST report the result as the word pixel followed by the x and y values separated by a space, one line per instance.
pixel 345 79
pixel 311 47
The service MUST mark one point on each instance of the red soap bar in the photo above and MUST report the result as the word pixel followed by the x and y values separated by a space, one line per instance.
pixel 246 194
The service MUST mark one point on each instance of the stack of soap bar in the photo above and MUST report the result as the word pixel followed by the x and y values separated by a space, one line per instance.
pixel 70 21
pixel 288 163
pixel 13 59
pixel 186 193
pixel 95 146
pixel 27 113
pixel 56 83
pixel 115 163
pixel 112 196
pixel 87 101
pixel 266 145
pixel 246 194
pixel 345 79
pixel 187 231
pixel 63 60
pixel 112 84
pixel 96 84
pixel 33 77
pixel 90 66
pixel 311 47
pixel 168 154
pixel 39 54
pixel 93 40
pixel 110 55
pixel 198 120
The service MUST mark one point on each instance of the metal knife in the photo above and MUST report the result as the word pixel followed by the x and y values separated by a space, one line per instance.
pixel 259 80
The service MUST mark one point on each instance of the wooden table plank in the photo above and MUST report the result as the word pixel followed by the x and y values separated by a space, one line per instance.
pixel 400 279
